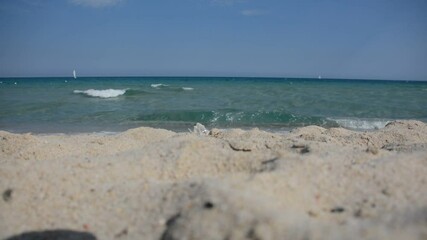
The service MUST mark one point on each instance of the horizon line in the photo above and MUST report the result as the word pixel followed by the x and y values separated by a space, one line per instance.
pixel 220 76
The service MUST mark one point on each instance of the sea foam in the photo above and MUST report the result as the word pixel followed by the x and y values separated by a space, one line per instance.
pixel 157 85
pixel 361 124
pixel 187 88
pixel 107 93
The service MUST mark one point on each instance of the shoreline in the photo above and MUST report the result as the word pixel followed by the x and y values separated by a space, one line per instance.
pixel 352 124
pixel 146 183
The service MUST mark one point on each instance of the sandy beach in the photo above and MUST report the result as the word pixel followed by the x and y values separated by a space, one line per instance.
pixel 145 183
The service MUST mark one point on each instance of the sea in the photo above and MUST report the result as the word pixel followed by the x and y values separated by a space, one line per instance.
pixel 115 104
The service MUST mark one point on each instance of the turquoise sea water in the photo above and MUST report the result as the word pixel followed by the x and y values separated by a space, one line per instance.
pixel 64 105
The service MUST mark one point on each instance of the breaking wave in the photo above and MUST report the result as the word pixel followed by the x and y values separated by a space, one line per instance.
pixel 107 93
pixel 161 86
pixel 361 124
pixel 158 85
pixel 234 118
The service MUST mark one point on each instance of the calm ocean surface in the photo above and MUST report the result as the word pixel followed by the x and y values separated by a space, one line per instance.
pixel 67 105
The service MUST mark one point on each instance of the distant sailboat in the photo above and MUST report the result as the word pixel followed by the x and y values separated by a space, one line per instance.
pixel 74 74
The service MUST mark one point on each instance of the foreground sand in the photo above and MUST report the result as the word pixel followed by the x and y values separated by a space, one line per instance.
pixel 312 183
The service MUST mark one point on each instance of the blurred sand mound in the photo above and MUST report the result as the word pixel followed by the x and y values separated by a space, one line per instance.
pixel 311 183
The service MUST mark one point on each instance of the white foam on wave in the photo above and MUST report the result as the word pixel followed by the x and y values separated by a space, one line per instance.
pixel 361 124
pixel 157 85
pixel 107 93
pixel 187 88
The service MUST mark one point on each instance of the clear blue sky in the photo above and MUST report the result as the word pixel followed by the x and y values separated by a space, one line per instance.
pixel 381 39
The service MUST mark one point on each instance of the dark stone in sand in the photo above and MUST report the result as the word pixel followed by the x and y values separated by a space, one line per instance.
pixel 268 165
pixel 358 213
pixel 239 149
pixel 251 235
pixel 168 233
pixel 208 205
pixel 337 210
pixel 173 219
pixel 59 234
pixel 298 145
pixel 303 148
pixel 124 232
pixel 404 147
pixel 7 195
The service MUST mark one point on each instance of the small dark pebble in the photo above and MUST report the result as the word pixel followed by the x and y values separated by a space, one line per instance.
pixel 168 234
pixel 337 210
pixel 208 205
pixel 124 232
pixel 298 145
pixel 269 165
pixel 7 195
pixel 252 234
pixel 302 148
pixel 358 213
pixel 173 219
pixel 311 214
pixel 57 234
pixel 385 192
pixel 270 161
pixel 239 149
pixel 305 150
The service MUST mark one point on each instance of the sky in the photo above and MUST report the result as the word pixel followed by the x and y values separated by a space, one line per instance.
pixel 359 39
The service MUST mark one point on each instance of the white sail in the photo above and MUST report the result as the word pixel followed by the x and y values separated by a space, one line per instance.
pixel 74 74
